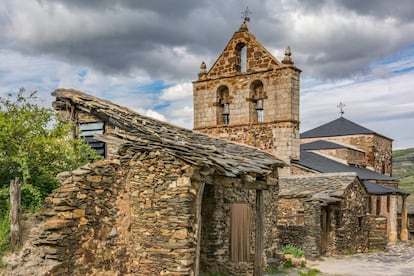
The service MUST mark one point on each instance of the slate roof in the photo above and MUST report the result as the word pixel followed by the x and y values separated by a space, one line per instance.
pixel 376 189
pixel 338 127
pixel 143 132
pixel 328 187
pixel 322 144
pixel 323 164
pixel 325 144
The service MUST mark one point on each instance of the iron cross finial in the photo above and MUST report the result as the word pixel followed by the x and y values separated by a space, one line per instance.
pixel 245 15
pixel 341 108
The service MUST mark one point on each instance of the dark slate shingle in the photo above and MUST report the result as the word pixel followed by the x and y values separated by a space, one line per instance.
pixel 321 145
pixel 376 189
pixel 322 164
pixel 338 127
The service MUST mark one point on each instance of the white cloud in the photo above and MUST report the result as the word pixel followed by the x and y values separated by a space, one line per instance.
pixel 156 115
pixel 177 92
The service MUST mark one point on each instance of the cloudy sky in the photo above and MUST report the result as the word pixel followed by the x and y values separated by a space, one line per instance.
pixel 144 54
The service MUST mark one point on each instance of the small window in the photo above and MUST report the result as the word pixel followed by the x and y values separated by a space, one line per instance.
pixel 241 58
pixel 240 232
pixel 87 132
pixel 300 218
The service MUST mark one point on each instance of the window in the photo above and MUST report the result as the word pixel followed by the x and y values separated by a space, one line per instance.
pixel 240 223
pixel 360 222
pixel 88 130
pixel 300 218
pixel 241 58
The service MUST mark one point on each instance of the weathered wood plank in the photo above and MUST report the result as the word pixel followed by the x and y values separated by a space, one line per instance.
pixel 15 234
pixel 258 267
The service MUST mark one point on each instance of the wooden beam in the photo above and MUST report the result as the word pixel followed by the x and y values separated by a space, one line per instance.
pixel 258 267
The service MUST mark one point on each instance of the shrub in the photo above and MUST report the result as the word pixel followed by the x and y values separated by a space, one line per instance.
pixel 296 252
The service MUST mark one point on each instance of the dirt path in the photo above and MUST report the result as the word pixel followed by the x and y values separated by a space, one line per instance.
pixel 397 260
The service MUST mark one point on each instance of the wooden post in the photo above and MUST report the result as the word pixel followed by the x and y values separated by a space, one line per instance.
pixel 258 267
pixel 404 230
pixel 15 239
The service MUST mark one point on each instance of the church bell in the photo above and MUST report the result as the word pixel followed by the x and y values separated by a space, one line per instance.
pixel 226 109
pixel 259 104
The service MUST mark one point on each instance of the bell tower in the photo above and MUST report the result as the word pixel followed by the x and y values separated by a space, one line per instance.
pixel 250 97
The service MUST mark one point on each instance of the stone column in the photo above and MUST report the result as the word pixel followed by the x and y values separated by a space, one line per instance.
pixel 404 230
pixel 393 219
pixel 373 207
pixel 312 245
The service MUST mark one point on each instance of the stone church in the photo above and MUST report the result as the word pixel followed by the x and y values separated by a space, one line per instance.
pixel 249 96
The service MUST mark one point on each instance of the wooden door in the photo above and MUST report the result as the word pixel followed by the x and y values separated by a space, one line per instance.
pixel 324 230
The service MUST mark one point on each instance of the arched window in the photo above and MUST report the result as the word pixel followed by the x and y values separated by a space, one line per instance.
pixel 241 58
pixel 223 105
pixel 256 101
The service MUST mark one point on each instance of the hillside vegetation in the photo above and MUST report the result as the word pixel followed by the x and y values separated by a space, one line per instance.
pixel 403 169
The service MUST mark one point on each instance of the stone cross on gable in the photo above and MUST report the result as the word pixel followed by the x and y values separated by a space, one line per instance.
pixel 341 108
pixel 245 15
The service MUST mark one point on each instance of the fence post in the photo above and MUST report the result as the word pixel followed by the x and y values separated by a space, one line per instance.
pixel 15 237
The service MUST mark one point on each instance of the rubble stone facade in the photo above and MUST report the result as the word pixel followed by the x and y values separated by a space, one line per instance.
pixel 323 214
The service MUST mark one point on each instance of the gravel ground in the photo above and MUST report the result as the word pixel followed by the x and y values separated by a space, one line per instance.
pixel 397 260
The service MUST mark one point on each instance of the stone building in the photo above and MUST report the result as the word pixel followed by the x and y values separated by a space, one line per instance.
pixel 344 146
pixel 323 213
pixel 165 201
pixel 250 97
pixel 376 149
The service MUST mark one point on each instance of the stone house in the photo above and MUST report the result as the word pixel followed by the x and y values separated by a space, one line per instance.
pixel 344 146
pixel 323 213
pixel 164 201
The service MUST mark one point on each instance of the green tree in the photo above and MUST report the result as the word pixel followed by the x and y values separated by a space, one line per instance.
pixel 35 147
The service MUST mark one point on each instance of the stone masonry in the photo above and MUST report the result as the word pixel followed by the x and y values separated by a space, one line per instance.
pixel 278 133
pixel 345 203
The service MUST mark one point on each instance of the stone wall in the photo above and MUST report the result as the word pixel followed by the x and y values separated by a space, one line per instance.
pixel 312 243
pixel 134 215
pixel 216 231
pixel 299 222
pixel 378 149
pixel 86 221
pixel 352 227
pixel 351 156
pixel 163 235
pixel 378 235
pixel 279 139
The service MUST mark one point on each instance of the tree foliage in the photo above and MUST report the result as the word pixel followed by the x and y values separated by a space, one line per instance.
pixel 34 146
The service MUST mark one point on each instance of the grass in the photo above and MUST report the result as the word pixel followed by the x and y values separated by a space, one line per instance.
pixel 296 252
pixel 403 170
pixel 310 272
pixel 4 236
